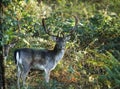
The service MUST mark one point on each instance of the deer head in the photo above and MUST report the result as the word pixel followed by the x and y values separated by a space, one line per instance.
pixel 60 38
pixel 7 47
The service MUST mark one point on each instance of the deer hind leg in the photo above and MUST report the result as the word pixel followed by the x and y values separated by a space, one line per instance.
pixel 47 75
pixel 24 74
pixel 19 69
pixel 18 76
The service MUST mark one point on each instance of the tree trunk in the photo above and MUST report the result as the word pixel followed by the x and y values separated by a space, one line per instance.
pixel 2 71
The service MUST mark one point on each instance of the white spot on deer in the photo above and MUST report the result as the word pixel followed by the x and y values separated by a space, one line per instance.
pixel 19 60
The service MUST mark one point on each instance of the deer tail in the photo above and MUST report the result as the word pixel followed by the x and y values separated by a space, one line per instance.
pixel 16 56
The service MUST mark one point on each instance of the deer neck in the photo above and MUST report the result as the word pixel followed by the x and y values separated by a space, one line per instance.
pixel 59 53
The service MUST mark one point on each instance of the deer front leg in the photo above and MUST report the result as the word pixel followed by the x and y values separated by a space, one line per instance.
pixel 47 75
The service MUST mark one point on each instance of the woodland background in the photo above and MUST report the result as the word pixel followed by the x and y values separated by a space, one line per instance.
pixel 92 57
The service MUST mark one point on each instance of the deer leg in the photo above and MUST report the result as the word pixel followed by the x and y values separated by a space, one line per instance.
pixel 25 72
pixel 24 75
pixel 18 76
pixel 47 75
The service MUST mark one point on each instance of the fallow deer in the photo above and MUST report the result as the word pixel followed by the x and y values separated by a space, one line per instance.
pixel 43 59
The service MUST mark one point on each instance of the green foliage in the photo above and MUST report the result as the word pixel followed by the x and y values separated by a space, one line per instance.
pixel 112 76
pixel 92 58
pixel 103 26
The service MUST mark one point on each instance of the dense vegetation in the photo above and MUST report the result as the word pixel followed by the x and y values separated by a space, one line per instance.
pixel 92 58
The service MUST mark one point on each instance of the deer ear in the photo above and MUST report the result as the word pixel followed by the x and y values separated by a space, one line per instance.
pixel 12 45
pixel 54 38
pixel 67 38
